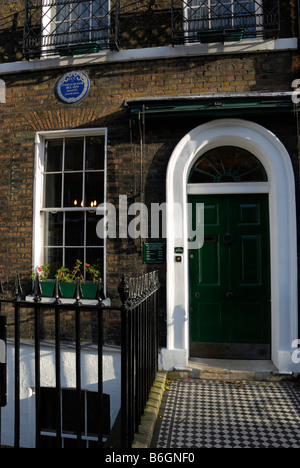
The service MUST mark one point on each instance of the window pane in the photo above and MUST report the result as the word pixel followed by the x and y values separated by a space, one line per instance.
pixel 53 157
pixel 74 154
pixel 47 442
pixel 81 27
pixel 72 255
pixel 74 229
pixel 93 413
pixel 100 7
pixel 53 229
pixel 73 443
pixel 91 235
pixel 53 191
pixel 228 164
pixel 94 188
pixel 95 153
pixel 54 258
pixel 73 189
pixel 82 10
pixel 95 257
pixel 48 409
pixel 70 410
pixel 62 12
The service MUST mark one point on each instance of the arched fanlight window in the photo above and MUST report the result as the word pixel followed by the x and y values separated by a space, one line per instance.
pixel 227 164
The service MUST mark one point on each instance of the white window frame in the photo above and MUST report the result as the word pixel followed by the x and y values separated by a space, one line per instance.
pixel 38 210
pixel 189 5
pixel 49 25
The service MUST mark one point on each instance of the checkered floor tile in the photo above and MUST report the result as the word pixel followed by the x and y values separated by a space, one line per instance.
pixel 219 414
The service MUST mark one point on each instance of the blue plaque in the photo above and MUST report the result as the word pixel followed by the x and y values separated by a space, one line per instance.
pixel 72 87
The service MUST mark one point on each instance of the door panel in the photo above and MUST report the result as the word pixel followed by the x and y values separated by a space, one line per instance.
pixel 210 320
pixel 250 260
pixel 211 256
pixel 249 214
pixel 248 323
pixel 230 278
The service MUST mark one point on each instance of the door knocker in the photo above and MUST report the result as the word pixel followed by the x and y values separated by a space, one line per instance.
pixel 228 238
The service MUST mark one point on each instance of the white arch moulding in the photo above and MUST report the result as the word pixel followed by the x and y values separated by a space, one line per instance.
pixel 283 237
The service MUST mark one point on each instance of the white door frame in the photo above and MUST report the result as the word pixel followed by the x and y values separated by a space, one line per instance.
pixel 283 236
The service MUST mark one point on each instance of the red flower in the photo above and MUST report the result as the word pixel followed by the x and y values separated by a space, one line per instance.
pixel 87 265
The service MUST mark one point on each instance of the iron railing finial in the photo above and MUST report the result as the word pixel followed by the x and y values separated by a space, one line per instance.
pixel 57 291
pixel 123 289
pixel 37 289
pixel 78 292
pixel 18 291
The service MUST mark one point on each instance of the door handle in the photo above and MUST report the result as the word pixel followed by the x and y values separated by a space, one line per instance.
pixel 228 238
pixel 229 295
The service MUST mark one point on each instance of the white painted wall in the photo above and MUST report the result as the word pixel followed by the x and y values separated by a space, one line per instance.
pixel 111 383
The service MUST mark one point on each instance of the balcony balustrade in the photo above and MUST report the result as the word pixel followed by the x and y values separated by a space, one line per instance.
pixel 64 27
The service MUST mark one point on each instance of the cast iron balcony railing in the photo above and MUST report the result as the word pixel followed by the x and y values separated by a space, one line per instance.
pixel 69 27
pixel 209 21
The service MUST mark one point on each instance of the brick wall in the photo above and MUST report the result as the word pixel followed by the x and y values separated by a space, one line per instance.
pixel 32 106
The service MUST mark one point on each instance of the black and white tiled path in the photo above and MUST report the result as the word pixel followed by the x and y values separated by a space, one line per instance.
pixel 220 414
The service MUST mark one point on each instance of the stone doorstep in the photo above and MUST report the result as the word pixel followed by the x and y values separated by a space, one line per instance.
pixel 144 436
pixel 229 374
pixel 228 369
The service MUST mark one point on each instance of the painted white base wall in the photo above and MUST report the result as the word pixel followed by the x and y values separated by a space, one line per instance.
pixel 170 359
pixel 111 383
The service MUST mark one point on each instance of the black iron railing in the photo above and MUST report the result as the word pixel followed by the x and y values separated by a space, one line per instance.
pixel 140 348
pixel 224 20
pixel 70 27
pixel 139 353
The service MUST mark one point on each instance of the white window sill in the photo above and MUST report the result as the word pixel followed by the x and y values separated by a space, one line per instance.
pixel 152 53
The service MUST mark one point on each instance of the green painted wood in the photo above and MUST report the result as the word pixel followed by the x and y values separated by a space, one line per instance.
pixel 229 276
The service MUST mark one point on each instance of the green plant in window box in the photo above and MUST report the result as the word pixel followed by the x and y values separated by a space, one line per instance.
pixel 93 271
pixel 42 271
pixel 67 280
pixel 65 275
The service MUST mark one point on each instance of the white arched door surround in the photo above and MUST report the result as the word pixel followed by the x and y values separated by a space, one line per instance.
pixel 283 238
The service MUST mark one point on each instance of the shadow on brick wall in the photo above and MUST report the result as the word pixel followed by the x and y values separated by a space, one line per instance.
pixel 11 39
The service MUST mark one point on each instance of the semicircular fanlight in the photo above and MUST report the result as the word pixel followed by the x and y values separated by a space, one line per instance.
pixel 227 164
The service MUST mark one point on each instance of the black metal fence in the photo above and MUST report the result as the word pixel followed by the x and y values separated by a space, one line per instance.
pixel 139 348
pixel 74 27
pixel 139 353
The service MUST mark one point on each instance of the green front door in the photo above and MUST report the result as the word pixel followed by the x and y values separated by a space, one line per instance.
pixel 229 279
